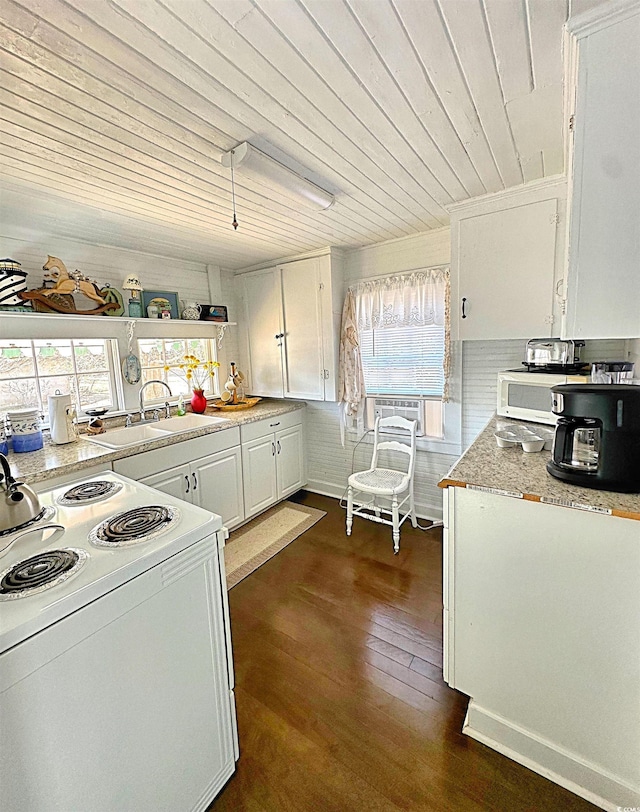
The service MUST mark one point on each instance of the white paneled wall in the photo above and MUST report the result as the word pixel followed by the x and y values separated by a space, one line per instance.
pixel 229 351
pixel 481 362
pixel 398 256
pixel 108 264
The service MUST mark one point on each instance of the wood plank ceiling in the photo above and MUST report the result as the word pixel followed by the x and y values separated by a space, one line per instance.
pixel 116 113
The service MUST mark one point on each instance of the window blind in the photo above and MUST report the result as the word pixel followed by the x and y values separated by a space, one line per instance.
pixel 404 360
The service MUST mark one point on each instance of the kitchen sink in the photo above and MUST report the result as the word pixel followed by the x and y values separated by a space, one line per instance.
pixel 121 438
pixel 188 422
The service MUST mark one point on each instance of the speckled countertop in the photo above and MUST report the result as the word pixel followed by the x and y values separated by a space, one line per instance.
pixel 514 472
pixel 57 460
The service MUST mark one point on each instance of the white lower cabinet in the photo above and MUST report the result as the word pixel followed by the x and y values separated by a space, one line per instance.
pixel 174 481
pixel 259 474
pixel 272 461
pixel 537 606
pixel 212 481
pixel 236 472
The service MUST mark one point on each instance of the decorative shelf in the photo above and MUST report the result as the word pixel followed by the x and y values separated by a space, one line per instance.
pixel 60 325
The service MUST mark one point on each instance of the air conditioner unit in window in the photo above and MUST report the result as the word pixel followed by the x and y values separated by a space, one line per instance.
pixel 396 407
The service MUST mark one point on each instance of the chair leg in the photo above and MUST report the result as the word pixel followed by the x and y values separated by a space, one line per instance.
pixel 376 507
pixel 349 509
pixel 412 507
pixel 395 518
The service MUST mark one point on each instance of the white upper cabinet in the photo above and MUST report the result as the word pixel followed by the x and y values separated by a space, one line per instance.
pixel 603 285
pixel 303 356
pixel 506 257
pixel 292 316
pixel 263 315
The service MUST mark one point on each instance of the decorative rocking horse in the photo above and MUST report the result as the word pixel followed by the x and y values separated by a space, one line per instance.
pixel 59 298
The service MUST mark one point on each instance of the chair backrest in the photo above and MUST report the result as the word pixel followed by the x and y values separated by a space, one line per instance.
pixel 395 445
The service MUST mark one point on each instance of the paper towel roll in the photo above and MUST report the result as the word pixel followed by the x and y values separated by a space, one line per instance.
pixel 61 425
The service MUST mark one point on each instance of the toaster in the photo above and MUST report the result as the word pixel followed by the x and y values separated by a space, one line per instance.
pixel 552 352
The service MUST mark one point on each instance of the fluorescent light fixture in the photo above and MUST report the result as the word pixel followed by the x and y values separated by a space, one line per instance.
pixel 247 159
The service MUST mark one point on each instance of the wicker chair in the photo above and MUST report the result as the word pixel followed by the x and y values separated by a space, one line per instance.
pixel 386 483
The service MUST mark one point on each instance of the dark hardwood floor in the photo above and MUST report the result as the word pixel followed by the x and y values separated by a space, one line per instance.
pixel 339 690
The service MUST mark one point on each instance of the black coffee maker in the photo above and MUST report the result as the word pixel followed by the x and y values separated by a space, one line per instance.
pixel 597 439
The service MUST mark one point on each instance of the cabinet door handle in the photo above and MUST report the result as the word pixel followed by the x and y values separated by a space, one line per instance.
pixel 195 482
pixel 186 477
pixel 464 301
pixel 278 446
pixel 273 449
pixel 279 335
pixel 274 424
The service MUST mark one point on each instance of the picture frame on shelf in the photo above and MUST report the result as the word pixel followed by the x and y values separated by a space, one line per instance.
pixel 209 312
pixel 160 301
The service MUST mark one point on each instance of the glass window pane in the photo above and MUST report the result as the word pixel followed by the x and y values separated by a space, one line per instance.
pixel 175 352
pixel 95 390
pixel 64 384
pixel 178 384
pixel 156 354
pixel 16 359
pixel 198 347
pixel 91 356
pixel 154 392
pixel 151 353
pixel 53 357
pixel 18 393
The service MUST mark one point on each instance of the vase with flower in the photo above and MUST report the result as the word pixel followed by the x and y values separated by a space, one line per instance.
pixel 196 373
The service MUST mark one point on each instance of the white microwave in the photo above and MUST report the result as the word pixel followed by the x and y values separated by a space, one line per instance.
pixel 527 395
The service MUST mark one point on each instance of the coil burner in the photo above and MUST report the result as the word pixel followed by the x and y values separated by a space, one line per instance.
pixel 39 572
pixel 133 526
pixel 87 492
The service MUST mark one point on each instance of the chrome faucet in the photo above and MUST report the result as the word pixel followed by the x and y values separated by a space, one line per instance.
pixel 143 415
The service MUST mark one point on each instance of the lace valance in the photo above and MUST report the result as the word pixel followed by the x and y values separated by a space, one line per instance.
pixel 418 298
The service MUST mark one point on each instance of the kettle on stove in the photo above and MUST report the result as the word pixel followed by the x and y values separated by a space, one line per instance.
pixel 19 504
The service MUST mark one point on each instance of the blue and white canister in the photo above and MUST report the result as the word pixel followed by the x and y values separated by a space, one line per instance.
pixel 13 281
pixel 26 432
pixel 4 445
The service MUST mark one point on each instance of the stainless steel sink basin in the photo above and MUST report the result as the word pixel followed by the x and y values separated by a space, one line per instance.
pixel 121 438
pixel 188 422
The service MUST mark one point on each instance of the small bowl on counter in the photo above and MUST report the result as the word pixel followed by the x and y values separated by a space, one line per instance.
pixel 533 445
pixel 506 439
pixel 530 440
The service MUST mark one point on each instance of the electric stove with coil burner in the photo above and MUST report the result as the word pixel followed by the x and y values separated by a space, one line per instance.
pixel 80 509
pixel 125 605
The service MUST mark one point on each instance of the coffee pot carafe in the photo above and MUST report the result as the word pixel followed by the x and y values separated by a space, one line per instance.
pixel 597 439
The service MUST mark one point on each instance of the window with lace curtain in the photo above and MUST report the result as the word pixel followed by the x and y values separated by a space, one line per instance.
pixel 403 335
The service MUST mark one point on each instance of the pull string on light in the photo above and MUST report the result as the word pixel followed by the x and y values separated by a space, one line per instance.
pixel 234 223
